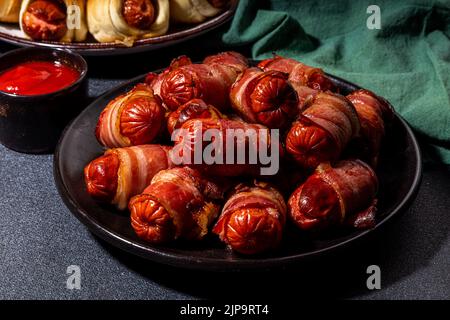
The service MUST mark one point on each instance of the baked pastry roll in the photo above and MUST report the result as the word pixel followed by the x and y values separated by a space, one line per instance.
pixel 195 11
pixel 127 20
pixel 54 20
pixel 9 10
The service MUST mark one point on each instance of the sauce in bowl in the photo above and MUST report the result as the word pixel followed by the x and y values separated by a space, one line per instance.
pixel 37 78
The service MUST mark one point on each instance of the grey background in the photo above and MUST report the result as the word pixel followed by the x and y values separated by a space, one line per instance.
pixel 40 238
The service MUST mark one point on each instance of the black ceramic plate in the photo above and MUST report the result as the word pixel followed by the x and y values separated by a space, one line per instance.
pixel 399 173
pixel 11 33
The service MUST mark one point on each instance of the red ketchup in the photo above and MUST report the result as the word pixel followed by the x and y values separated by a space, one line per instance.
pixel 37 77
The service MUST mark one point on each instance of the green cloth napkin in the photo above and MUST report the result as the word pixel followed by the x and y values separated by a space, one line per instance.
pixel 407 61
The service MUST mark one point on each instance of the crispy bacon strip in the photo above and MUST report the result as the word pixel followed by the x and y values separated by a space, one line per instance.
pixel 252 219
pixel 210 81
pixel 134 118
pixel 193 109
pixel 124 172
pixel 323 130
pixel 264 97
pixel 299 74
pixel 178 203
pixel 374 113
pixel 333 195
pixel 305 95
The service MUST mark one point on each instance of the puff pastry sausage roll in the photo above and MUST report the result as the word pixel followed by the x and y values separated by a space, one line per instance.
pixel 127 20
pixel 195 11
pixel 9 10
pixel 54 20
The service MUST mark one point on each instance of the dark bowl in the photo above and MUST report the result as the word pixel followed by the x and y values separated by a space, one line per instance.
pixel 399 172
pixel 33 124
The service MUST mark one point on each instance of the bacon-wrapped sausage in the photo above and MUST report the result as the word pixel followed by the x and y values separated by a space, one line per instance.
pixel 136 117
pixel 264 97
pixel 48 20
pixel 231 147
pixel 334 194
pixel 155 80
pixel 124 172
pixel 210 81
pixel 252 219
pixel 323 130
pixel 299 74
pixel 194 109
pixel 373 112
pixel 127 20
pixel 195 11
pixel 305 96
pixel 178 203
pixel 9 10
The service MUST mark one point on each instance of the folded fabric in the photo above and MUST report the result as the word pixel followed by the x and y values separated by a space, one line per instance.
pixel 407 60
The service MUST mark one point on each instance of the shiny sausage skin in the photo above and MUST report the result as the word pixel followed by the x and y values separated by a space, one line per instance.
pixel 178 203
pixel 333 195
pixel 124 172
pixel 139 14
pixel 264 97
pixel 374 114
pixel 210 81
pixel 252 219
pixel 323 130
pixel 299 73
pixel 193 109
pixel 155 80
pixel 134 118
pixel 45 20
pixel 101 177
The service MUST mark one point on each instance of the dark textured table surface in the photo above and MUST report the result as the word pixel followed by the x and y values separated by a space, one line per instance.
pixel 40 238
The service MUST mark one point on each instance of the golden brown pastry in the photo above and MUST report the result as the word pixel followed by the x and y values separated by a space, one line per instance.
pixel 195 11
pixel 9 10
pixel 54 20
pixel 127 20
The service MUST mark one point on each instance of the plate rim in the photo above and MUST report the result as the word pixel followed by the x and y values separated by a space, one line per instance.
pixel 111 48
pixel 159 255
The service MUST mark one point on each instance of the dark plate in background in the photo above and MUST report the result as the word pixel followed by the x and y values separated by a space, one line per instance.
pixel 399 172
pixel 10 33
